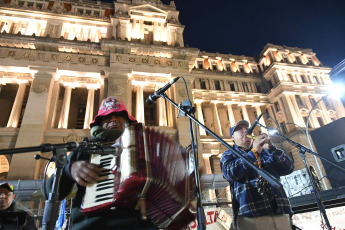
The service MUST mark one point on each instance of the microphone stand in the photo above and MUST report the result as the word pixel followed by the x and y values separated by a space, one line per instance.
pixel 51 208
pixel 187 110
pixel 301 151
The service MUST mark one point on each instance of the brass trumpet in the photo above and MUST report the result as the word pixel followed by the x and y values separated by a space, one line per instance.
pixel 268 141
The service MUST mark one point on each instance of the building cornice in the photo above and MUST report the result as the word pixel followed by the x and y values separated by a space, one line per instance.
pixel 267 74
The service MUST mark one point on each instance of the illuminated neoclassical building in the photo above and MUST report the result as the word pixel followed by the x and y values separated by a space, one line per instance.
pixel 59 59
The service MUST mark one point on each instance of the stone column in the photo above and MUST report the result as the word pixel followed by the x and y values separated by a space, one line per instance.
pixel 123 30
pixel 230 113
pixel 197 83
pixel 179 33
pixel 324 112
pixel 216 120
pixel 261 121
pixel 207 84
pixel 300 121
pixel 52 120
pixel 208 170
pixel 245 113
pixel 222 85
pixel 63 121
pixel 89 108
pixel 200 116
pixel 134 30
pixel 280 76
pixel 251 87
pixel 170 111
pixel 140 104
pixel 312 119
pixel 17 106
pixel 287 116
pixel 212 85
pixel 339 107
pixel 156 31
pixel 31 133
pixel 162 114
pixel 141 30
pixel 235 86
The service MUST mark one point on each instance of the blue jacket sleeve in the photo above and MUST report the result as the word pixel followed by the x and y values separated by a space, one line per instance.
pixel 278 160
pixel 233 168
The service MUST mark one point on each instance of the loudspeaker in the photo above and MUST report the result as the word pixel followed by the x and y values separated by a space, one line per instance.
pixel 329 141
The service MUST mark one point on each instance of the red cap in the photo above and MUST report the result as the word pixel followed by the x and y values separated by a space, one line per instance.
pixel 111 105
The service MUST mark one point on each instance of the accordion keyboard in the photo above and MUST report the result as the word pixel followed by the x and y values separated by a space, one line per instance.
pixel 103 191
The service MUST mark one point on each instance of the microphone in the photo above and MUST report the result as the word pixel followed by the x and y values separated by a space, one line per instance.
pixel 117 148
pixel 251 128
pixel 94 146
pixel 153 98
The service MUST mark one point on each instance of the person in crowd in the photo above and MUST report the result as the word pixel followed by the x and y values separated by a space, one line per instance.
pixel 255 203
pixel 10 213
pixel 108 125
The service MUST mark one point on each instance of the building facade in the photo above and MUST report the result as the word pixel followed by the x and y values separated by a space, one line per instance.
pixel 59 59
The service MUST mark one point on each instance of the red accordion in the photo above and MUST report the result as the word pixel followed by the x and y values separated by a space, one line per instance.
pixel 150 166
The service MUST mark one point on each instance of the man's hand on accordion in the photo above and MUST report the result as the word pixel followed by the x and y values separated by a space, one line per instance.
pixel 83 172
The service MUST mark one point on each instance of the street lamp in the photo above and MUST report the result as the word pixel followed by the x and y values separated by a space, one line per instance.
pixel 336 90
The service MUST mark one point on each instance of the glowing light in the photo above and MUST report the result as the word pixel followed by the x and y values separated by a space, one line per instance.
pixel 276 56
pixel 206 64
pixel 139 83
pixel 233 67
pixel 272 131
pixel 82 32
pixel 79 74
pixel 336 90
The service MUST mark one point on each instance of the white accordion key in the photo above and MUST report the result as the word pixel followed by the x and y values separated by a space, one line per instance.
pixel 101 192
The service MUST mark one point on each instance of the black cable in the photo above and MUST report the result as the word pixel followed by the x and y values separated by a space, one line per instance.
pixel 275 122
pixel 277 125
pixel 186 88
pixel 43 186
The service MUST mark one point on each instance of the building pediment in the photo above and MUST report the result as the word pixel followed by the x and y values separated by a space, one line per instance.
pixel 304 111
pixel 331 112
pixel 318 111
pixel 148 10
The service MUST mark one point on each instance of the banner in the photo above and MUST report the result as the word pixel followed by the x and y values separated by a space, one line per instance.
pixel 211 215
pixel 312 220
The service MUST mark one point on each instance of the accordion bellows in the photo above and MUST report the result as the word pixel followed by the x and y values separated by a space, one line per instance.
pixel 151 166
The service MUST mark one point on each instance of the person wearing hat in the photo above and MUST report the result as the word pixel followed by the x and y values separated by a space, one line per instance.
pixel 108 125
pixel 255 203
pixel 8 206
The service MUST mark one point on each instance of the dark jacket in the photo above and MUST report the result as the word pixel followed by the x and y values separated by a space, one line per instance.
pixel 11 213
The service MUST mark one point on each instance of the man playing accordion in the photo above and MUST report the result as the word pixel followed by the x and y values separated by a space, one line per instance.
pixel 108 125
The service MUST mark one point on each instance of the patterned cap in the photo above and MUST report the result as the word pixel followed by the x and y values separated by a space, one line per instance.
pixel 242 122
pixel 111 105
pixel 7 185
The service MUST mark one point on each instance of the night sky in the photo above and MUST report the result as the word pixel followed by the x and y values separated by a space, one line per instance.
pixel 243 27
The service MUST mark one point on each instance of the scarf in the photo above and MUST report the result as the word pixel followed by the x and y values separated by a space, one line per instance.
pixel 105 134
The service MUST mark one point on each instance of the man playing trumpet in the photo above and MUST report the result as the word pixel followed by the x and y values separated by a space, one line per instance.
pixel 255 203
